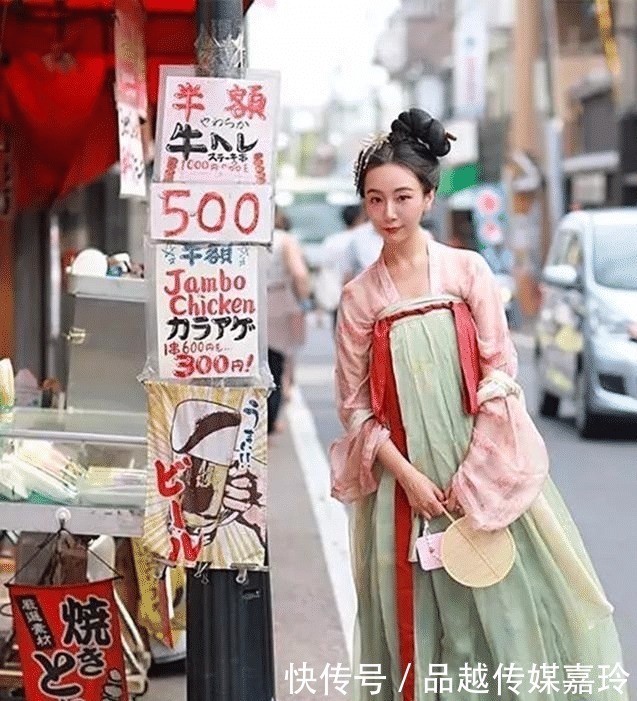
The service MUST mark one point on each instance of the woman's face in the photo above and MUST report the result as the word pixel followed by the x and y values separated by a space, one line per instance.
pixel 395 201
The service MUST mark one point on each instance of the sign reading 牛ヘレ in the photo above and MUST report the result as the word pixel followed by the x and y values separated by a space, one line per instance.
pixel 221 213
pixel 213 130
pixel 207 306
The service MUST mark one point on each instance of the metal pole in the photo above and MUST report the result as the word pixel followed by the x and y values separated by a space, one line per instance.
pixel 230 654
pixel 626 93
pixel 553 124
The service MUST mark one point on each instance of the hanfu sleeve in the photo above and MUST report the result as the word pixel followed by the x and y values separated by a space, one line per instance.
pixel 506 463
pixel 352 456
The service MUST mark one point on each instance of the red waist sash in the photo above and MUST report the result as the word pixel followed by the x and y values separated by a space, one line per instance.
pixel 386 408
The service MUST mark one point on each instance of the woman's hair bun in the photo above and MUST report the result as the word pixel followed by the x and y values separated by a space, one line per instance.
pixel 420 126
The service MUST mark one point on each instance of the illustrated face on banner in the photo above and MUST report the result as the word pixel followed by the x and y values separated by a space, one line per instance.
pixel 217 129
pixel 69 642
pixel 207 485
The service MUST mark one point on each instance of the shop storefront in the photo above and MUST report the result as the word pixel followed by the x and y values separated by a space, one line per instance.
pixel 73 448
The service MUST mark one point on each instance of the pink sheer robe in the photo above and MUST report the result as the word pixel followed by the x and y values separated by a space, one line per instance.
pixel 506 463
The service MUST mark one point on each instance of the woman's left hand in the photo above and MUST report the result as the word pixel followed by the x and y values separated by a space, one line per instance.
pixel 451 501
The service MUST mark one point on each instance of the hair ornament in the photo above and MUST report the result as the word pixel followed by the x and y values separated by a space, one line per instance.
pixel 370 145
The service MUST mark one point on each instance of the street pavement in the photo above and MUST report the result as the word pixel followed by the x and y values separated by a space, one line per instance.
pixel 312 590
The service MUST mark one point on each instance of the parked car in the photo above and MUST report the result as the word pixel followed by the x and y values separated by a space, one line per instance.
pixel 586 334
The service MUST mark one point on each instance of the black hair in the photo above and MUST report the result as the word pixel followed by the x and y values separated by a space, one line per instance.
pixel 416 141
pixel 281 220
pixel 350 214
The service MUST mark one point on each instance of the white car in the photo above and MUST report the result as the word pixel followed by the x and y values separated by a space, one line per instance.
pixel 586 334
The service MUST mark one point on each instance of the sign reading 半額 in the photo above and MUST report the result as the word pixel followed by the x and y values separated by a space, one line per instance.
pixel 69 641
pixel 213 130
pixel 207 304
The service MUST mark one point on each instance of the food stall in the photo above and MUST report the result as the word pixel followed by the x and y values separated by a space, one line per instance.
pixel 82 468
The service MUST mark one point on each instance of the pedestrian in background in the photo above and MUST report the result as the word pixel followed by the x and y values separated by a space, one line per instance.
pixel 288 291
pixel 335 269
pixel 434 424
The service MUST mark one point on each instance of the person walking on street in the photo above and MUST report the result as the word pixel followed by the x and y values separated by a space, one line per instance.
pixel 335 272
pixel 435 426
pixel 288 290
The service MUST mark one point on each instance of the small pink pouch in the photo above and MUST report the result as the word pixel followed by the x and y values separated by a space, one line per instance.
pixel 428 549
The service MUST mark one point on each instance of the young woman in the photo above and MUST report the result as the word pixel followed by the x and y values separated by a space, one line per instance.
pixel 434 419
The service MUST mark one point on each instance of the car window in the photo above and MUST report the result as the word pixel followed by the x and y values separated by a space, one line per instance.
pixel 558 248
pixel 573 252
pixel 313 221
pixel 615 256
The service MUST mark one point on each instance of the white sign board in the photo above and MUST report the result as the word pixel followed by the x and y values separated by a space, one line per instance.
pixel 207 315
pixel 221 213
pixel 215 130
pixel 132 167
pixel 470 46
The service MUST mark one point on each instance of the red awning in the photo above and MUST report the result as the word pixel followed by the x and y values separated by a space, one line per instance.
pixel 56 86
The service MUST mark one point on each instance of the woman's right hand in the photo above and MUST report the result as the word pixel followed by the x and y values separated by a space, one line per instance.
pixel 425 498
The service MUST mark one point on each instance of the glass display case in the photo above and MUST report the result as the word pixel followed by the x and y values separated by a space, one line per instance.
pixel 84 467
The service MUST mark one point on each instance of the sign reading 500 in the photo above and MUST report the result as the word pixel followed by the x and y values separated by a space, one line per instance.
pixel 197 212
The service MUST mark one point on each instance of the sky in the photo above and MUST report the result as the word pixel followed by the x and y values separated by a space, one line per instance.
pixel 321 47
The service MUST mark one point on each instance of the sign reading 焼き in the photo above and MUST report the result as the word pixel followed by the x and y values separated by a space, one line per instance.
pixel 214 130
pixel 69 641
pixel 207 310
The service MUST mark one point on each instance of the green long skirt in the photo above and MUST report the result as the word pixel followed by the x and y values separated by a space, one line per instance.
pixel 533 636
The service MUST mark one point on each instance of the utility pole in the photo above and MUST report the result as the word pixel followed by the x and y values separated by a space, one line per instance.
pixel 626 33
pixel 229 615
pixel 523 139
pixel 554 149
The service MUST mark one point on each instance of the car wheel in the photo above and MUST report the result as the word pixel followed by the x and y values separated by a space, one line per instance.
pixel 585 421
pixel 549 404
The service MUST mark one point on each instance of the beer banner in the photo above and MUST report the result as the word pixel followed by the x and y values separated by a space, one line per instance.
pixel 207 457
pixel 69 641
pixel 162 601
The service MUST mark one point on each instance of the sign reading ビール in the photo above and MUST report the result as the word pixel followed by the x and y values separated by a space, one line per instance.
pixel 207 479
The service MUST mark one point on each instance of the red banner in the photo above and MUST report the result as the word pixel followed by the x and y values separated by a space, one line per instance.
pixel 69 642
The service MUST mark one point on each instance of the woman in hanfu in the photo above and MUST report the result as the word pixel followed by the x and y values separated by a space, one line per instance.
pixel 434 418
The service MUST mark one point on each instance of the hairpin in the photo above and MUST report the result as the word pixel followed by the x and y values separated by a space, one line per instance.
pixel 369 146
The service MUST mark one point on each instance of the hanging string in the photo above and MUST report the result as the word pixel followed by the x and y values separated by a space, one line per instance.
pixel 50 568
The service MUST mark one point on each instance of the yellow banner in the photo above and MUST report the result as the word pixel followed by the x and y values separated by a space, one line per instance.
pixel 207 476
